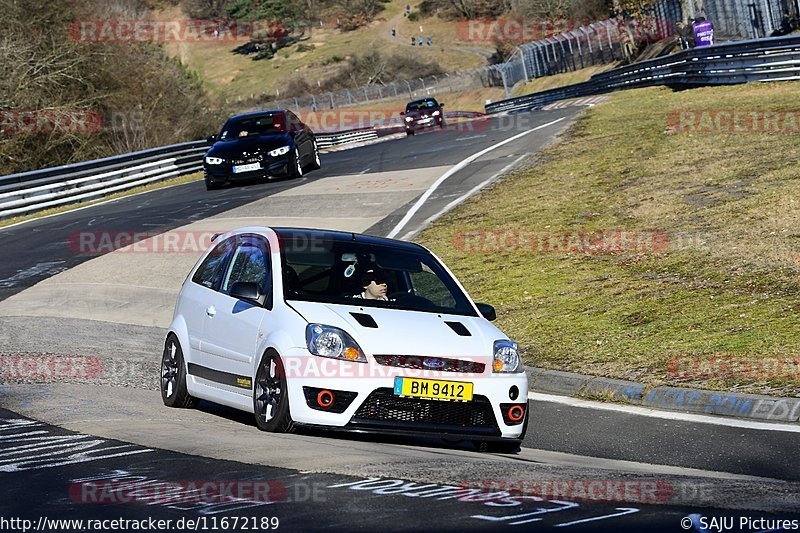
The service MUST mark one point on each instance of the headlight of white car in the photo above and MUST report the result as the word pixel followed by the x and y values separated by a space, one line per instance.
pixel 214 160
pixel 409 119
pixel 329 341
pixel 506 357
pixel 283 150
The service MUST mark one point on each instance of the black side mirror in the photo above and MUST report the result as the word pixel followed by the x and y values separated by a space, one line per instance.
pixel 211 139
pixel 441 104
pixel 246 290
pixel 487 311
pixel 402 112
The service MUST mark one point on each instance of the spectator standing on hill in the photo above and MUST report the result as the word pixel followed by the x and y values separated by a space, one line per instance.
pixel 413 41
pixel 430 40
pixel 785 27
pixel 394 32
pixel 703 31
pixel 420 40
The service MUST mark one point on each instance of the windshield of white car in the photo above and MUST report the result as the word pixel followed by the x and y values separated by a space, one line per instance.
pixel 340 272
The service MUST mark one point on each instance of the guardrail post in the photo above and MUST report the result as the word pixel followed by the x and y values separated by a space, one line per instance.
pixel 589 43
pixel 409 88
pixel 394 86
pixel 600 46
pixel 505 83
pixel 349 97
pixel 580 51
pixel 524 69
pixel 313 103
pixel 610 44
pixel 296 105
pixel 449 81
pixel 366 96
pixel 333 105
pixel 423 84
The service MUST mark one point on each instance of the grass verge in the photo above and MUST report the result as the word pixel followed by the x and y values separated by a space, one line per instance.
pixel 71 207
pixel 714 305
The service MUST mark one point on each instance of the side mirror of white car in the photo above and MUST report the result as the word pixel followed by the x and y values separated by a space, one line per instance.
pixel 487 311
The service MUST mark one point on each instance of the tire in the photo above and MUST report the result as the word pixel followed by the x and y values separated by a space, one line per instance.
pixel 270 397
pixel 210 186
pixel 295 168
pixel 173 376
pixel 443 124
pixel 409 133
pixel 315 165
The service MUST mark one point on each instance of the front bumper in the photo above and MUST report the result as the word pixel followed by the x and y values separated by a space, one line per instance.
pixel 376 409
pixel 223 174
pixel 422 123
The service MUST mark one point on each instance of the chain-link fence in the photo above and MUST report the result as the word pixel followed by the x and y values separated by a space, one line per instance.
pixel 404 89
pixel 598 43
pixel 748 19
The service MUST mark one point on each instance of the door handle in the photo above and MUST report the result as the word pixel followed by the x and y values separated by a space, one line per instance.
pixel 211 311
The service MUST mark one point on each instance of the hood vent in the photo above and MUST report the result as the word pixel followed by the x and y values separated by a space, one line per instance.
pixel 365 320
pixel 459 328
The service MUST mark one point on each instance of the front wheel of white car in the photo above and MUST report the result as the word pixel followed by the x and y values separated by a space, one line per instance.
pixel 270 397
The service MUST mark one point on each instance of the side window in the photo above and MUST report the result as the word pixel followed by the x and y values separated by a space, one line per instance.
pixel 249 263
pixel 210 272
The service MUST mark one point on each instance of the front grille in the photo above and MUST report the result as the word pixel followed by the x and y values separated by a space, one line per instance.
pixel 247 160
pixel 447 365
pixel 383 408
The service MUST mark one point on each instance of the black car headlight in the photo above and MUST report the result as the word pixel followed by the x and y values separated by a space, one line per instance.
pixel 277 152
pixel 213 160
pixel 330 341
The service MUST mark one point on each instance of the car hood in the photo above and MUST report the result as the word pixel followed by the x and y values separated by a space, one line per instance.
pixel 249 145
pixel 401 332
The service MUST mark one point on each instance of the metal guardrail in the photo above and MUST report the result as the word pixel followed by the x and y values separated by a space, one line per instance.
pixel 28 192
pixel 326 140
pixel 770 59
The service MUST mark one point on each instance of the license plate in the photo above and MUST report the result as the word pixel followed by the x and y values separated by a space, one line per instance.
pixel 433 389
pixel 246 168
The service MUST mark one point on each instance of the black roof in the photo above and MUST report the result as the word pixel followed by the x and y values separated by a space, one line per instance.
pixel 343 236
pixel 258 113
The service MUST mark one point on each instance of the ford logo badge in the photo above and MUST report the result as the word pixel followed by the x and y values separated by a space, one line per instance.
pixel 429 362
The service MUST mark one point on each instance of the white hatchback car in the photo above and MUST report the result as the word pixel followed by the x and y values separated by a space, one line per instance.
pixel 309 328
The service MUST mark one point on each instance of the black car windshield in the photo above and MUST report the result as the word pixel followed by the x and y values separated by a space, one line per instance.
pixel 252 127
pixel 421 104
pixel 367 274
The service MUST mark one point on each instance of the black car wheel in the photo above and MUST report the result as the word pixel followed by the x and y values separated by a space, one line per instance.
pixel 270 396
pixel 315 165
pixel 409 132
pixel 295 167
pixel 210 185
pixel 173 376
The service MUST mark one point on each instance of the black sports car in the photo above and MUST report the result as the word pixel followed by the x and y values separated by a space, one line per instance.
pixel 264 144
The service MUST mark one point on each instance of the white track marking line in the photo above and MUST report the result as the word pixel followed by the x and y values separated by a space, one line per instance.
pixel 665 415
pixel 422 199
pixel 463 197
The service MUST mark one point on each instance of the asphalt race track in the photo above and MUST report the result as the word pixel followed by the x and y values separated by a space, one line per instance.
pixel 107 449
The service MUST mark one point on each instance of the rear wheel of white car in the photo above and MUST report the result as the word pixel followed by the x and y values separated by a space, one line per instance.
pixel 173 376
pixel 270 398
